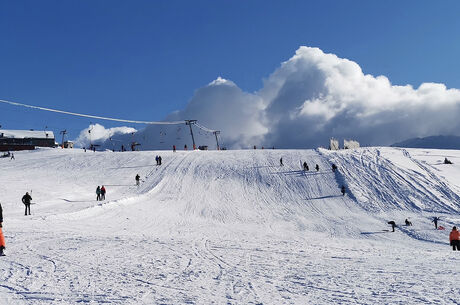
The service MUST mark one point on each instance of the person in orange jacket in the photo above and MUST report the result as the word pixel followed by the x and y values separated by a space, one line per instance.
pixel 2 238
pixel 454 238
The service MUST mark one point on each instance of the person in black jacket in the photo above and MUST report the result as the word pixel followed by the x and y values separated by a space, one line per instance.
pixel 393 225
pixel 26 200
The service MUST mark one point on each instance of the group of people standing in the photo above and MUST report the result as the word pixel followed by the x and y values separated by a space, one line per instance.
pixel 100 192
pixel 158 159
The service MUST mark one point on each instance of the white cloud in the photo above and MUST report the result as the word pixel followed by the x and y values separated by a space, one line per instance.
pixel 314 96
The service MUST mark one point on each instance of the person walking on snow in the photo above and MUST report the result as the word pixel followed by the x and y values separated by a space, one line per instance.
pixel 137 179
pixel 435 220
pixel 26 200
pixel 103 193
pixel 281 161
pixel 2 238
pixel 393 225
pixel 98 193
pixel 454 238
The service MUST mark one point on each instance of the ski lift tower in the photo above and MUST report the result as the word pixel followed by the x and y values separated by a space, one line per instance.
pixel 189 123
pixel 216 132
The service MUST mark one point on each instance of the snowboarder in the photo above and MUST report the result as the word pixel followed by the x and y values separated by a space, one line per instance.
pixel 26 200
pixel 2 238
pixel 103 193
pixel 454 238
pixel 317 167
pixel 137 179
pixel 98 193
pixel 342 189
pixel 334 167
pixel 408 222
pixel 174 148
pixel 305 166
pixel 281 161
pixel 435 220
pixel 393 225
pixel 447 161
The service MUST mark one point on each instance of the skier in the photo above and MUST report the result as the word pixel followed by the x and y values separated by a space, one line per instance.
pixel 12 156
pixel 393 225
pixel 454 238
pixel 281 161
pixel 185 147
pixel 2 238
pixel 159 160
pixel 26 200
pixel 174 148
pixel 334 167
pixel 102 193
pixel 137 179
pixel 342 189
pixel 98 193
pixel 305 166
pixel 317 167
pixel 435 220
pixel 156 159
pixel 408 222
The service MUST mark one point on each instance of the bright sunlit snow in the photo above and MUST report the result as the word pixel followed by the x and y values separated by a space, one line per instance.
pixel 230 227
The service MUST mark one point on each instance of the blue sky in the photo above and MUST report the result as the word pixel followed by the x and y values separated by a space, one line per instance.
pixel 143 59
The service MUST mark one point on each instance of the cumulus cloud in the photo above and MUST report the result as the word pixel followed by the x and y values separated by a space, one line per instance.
pixel 314 96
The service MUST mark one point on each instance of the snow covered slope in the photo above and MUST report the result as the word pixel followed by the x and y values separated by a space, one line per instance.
pixel 230 227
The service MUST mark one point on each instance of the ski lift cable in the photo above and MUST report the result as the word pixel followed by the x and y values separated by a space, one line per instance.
pixel 92 116
pixel 204 128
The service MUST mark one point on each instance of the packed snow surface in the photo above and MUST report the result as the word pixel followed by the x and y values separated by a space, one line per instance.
pixel 230 227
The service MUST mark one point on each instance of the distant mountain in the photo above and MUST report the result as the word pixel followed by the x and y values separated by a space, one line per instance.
pixel 437 142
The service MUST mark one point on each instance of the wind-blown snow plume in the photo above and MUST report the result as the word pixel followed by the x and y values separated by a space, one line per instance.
pixel 314 96
pixel 98 134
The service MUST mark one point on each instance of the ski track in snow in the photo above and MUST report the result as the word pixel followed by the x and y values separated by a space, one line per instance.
pixel 230 227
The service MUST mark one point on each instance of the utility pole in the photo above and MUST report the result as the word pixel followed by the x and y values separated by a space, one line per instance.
pixel 216 132
pixel 63 132
pixel 189 123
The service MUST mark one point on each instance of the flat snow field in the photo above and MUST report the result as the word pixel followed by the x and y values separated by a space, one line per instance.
pixel 230 227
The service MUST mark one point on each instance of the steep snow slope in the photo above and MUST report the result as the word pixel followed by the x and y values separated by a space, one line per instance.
pixel 229 227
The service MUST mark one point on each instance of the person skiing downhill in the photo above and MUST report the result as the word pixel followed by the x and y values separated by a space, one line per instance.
pixel 454 238
pixel 103 193
pixel 98 193
pixel 26 200
pixel 137 179
pixel 2 238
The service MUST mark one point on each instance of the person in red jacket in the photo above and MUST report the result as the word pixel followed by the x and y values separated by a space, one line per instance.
pixel 454 238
